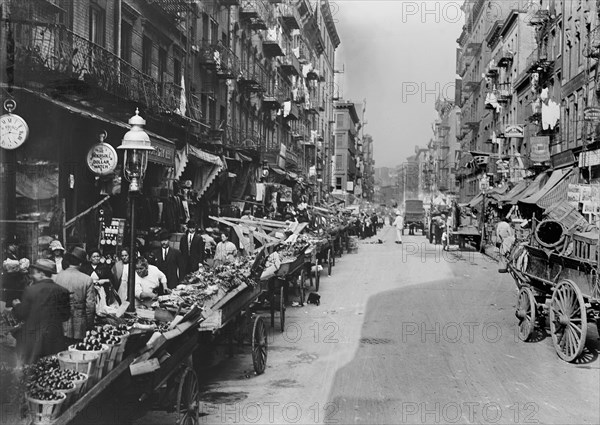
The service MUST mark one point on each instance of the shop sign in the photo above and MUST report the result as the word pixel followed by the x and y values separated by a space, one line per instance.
pixel 102 159
pixel 540 148
pixel 563 159
pixel 589 158
pixel 574 194
pixel 163 153
pixel 514 130
pixel 591 113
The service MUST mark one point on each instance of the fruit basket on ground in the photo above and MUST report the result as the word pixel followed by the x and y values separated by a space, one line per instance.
pixel 91 344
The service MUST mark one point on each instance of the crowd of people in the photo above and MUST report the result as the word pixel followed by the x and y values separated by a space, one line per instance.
pixel 58 298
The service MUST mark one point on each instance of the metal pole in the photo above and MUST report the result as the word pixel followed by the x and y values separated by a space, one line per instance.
pixel 132 256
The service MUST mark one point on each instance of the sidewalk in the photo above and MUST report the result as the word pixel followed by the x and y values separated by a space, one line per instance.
pixel 492 252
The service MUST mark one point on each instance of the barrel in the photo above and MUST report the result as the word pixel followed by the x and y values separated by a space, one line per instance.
pixel 550 234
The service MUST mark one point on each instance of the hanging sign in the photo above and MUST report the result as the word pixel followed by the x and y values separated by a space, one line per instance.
pixel 102 159
pixel 514 130
pixel 540 148
pixel 589 158
pixel 591 113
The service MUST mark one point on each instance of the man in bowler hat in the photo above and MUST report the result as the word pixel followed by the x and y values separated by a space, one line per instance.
pixel 169 261
pixel 43 307
pixel 192 248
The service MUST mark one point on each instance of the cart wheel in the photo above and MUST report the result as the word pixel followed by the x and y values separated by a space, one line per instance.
pixel 188 399
pixel 333 258
pixel 259 345
pixel 568 320
pixel 526 307
pixel 317 277
pixel 330 261
pixel 301 281
pixel 310 275
pixel 281 308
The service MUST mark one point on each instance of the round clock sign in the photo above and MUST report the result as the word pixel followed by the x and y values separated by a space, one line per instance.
pixel 102 159
pixel 13 129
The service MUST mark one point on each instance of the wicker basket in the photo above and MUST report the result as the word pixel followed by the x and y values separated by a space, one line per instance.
pixel 44 412
pixel 115 354
pixel 81 385
pixel 85 362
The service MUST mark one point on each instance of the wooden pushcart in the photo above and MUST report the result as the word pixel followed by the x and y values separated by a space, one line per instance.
pixel 178 355
pixel 564 289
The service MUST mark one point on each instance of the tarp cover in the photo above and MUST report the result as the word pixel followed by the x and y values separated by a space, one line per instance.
pixel 555 188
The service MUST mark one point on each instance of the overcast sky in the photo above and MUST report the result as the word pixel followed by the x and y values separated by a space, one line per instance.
pixel 398 55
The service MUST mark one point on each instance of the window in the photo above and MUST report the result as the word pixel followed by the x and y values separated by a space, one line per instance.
pixel 96 25
pixel 126 37
pixel 162 65
pixel 339 162
pixel 147 55
pixel 177 71
pixel 339 120
pixel 338 183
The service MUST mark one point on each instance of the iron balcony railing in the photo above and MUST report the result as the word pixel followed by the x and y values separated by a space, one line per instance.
pixel 289 15
pixel 256 12
pixel 220 57
pixel 253 76
pixel 45 53
pixel 242 137
pixel 537 60
pixel 290 63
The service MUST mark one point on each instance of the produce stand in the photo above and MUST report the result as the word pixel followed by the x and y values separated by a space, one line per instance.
pixel 558 282
pixel 168 361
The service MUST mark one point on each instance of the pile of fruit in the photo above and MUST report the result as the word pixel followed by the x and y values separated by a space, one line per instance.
pixel 54 380
pixel 45 395
pixel 208 284
pixel 105 334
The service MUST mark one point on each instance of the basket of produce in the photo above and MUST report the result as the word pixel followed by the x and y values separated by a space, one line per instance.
pixel 67 381
pixel 79 361
pixel 92 345
pixel 44 405
pixel 115 337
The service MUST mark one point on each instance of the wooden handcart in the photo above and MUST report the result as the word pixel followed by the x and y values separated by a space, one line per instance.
pixel 564 289
pixel 179 355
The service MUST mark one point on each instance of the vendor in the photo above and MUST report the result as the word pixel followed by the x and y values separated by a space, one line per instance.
pixel 101 274
pixel 150 282
pixel 225 251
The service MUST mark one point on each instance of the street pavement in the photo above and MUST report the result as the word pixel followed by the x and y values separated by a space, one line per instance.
pixel 404 334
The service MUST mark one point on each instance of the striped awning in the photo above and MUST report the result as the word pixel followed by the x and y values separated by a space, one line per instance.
pixel 555 188
pixel 534 187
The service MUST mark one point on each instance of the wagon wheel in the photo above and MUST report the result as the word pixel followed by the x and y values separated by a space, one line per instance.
pixel 568 320
pixel 259 345
pixel 317 277
pixel 526 307
pixel 281 308
pixel 188 399
pixel 330 261
pixel 301 280
pixel 332 253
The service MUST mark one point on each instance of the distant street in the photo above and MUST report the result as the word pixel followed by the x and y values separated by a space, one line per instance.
pixel 405 335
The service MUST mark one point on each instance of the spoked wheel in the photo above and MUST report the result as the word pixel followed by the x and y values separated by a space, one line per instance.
pixel 301 280
pixel 317 277
pixel 330 261
pixel 526 307
pixel 188 399
pixel 259 345
pixel 281 308
pixel 568 320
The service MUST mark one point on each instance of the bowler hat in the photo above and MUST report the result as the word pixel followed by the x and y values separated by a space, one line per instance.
pixel 163 235
pixel 79 253
pixel 45 265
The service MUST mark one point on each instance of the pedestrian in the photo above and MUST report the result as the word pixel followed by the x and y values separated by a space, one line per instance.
pixel 43 307
pixel 169 261
pixel 225 251
pixel 83 296
pixel 399 225
pixel 506 238
pixel 120 270
pixel 101 275
pixel 191 246
pixel 57 255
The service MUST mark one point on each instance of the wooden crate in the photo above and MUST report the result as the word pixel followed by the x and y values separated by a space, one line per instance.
pixel 585 246
pixel 566 214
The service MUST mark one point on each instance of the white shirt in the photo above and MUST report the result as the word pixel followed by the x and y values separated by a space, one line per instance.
pixel 143 284
pixel 399 222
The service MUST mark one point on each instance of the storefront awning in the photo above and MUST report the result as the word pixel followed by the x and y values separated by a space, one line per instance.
pixel 555 188
pixel 164 149
pixel 476 201
pixel 278 170
pixel 533 187
pixel 205 175
pixel 514 192
pixel 243 157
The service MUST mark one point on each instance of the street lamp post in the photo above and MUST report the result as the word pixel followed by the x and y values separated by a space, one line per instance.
pixel 136 145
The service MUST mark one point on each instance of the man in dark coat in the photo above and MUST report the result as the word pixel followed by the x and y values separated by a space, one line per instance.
pixel 169 261
pixel 192 248
pixel 44 307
